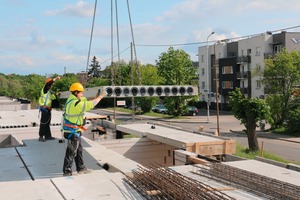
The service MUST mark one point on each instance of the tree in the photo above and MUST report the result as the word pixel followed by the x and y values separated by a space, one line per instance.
pixel 149 77
pixel 280 76
pixel 293 116
pixel 95 68
pixel 250 111
pixel 176 68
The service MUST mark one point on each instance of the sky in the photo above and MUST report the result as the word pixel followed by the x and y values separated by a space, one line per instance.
pixel 54 37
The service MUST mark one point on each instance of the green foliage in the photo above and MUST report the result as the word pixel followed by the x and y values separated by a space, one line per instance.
pixel 176 68
pixel 280 76
pixel 243 107
pixel 94 82
pixel 95 68
pixel 32 85
pixel 150 75
pixel 275 102
pixel 293 116
pixel 64 83
pixel 146 103
pixel 249 111
pixel 244 152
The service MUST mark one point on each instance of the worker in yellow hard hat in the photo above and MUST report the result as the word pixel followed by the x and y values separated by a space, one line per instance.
pixel 73 127
pixel 46 101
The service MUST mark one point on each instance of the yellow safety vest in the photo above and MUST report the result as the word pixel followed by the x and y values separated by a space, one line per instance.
pixel 75 108
pixel 46 99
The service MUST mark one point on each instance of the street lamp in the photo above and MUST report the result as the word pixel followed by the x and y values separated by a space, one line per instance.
pixel 217 93
pixel 207 77
pixel 216 79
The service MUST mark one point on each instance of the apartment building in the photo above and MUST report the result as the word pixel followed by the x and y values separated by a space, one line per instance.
pixel 236 62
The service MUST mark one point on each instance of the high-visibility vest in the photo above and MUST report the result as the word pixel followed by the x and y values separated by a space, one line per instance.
pixel 75 108
pixel 45 99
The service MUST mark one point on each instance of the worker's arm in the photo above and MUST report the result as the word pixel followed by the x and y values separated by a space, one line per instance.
pixel 101 96
pixel 49 84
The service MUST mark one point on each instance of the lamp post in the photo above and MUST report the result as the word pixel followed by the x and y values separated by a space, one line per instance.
pixel 217 93
pixel 207 76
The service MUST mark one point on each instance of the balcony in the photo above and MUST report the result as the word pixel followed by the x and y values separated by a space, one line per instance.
pixel 243 59
pixel 241 75
pixel 244 90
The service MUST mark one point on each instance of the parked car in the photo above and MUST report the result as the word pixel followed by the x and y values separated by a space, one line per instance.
pixel 160 108
pixel 192 110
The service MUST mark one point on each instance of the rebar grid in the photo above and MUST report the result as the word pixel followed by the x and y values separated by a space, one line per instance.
pixel 158 182
pixel 252 181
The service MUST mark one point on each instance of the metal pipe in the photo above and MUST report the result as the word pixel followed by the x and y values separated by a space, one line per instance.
pixel 207 76
pixel 217 93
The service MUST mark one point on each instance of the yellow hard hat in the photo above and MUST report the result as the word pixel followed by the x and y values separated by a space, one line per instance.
pixel 76 87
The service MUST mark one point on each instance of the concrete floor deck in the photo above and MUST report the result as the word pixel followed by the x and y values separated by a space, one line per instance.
pixel 34 171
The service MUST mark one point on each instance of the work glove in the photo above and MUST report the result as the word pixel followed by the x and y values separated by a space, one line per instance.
pixel 103 93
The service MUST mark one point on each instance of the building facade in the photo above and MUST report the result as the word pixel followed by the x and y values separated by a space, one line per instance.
pixel 235 63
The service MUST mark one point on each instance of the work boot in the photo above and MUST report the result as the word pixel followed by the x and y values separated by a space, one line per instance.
pixel 85 171
pixel 41 139
pixel 67 174
pixel 50 138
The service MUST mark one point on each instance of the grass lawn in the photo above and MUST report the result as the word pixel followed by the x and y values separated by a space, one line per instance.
pixel 244 152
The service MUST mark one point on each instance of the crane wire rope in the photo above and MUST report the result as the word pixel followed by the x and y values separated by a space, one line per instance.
pixel 133 44
pixel 118 44
pixel 91 37
pixel 112 70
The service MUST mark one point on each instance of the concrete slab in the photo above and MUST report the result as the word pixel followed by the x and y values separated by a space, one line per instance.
pixel 45 159
pixel 201 144
pixel 21 190
pixel 11 167
pixel 142 130
pixel 265 169
pixel 97 185
pixel 187 170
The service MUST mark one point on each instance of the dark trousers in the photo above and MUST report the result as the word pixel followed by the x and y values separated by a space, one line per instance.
pixel 45 124
pixel 73 152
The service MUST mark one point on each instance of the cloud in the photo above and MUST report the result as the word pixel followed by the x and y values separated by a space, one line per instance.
pixel 80 9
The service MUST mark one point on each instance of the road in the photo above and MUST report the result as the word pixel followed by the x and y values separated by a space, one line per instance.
pixel 282 146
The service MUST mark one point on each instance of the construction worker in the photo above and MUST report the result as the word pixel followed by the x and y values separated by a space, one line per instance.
pixel 75 107
pixel 45 103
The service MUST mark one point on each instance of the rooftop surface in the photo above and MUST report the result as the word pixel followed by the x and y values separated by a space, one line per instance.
pixel 33 170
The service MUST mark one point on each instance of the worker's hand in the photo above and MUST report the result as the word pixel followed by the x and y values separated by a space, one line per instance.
pixel 103 93
pixel 57 78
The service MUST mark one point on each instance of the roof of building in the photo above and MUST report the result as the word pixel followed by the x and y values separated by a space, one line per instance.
pixel 33 169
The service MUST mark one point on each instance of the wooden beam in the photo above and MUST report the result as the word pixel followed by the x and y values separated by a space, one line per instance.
pixel 196 160
pixel 96 117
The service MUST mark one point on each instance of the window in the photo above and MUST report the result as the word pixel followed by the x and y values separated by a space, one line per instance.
pixel 258 67
pixel 257 51
pixel 227 70
pixel 202 58
pixel 203 85
pixel 202 71
pixel 242 52
pixel 258 84
pixel 227 84
pixel 248 52
pixel 277 49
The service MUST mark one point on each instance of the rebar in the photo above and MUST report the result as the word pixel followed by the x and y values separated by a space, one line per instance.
pixel 159 182
pixel 259 184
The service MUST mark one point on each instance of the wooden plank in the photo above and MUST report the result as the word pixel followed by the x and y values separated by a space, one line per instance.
pixel 96 117
pixel 215 147
pixel 100 128
pixel 198 160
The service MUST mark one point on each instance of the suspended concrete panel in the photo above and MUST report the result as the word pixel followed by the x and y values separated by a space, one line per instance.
pixel 139 91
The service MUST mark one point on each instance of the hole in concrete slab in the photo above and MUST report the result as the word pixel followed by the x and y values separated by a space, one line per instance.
pixel 7 141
